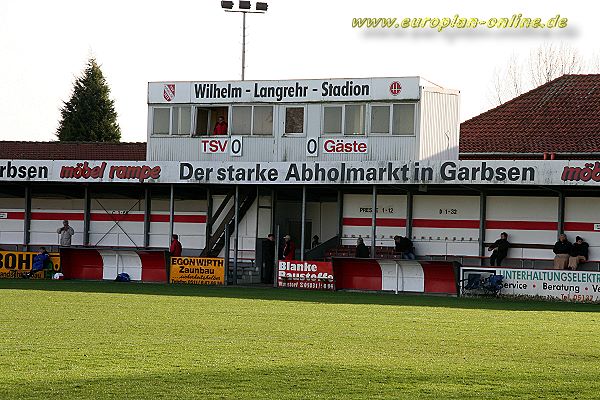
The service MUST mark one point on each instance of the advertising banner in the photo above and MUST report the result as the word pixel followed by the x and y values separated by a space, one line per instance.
pixel 524 172
pixel 13 264
pixel 294 91
pixel 305 275
pixel 547 284
pixel 197 271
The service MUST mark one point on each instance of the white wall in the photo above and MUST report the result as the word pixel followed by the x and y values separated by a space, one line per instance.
pixel 446 225
pixel 528 220
pixel 581 214
pixel 47 215
pixel 11 228
pixel 391 211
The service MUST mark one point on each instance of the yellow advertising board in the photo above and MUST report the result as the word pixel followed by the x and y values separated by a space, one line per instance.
pixel 197 271
pixel 13 264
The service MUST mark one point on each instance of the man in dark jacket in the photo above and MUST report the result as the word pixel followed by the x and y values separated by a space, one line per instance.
pixel 405 246
pixel 562 248
pixel 579 253
pixel 269 258
pixel 499 250
pixel 362 251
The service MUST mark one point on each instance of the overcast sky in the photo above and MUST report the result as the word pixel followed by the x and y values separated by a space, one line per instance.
pixel 45 44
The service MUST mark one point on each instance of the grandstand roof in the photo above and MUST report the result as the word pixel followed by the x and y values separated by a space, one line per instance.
pixel 133 151
pixel 561 116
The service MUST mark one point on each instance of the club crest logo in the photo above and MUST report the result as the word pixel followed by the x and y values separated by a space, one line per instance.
pixel 169 92
pixel 395 88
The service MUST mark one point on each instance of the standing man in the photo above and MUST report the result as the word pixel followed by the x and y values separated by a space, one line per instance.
pixel 220 127
pixel 65 232
pixel 175 248
pixel 499 250
pixel 269 258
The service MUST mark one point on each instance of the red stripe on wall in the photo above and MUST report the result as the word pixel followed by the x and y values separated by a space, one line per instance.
pixel 522 225
pixel 395 222
pixel 56 216
pixel 15 215
pixel 446 223
pixel 104 217
pixel 580 226
pixel 195 219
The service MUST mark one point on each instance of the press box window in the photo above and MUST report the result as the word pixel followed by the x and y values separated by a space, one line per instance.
pixel 206 119
pixel 263 120
pixel 182 121
pixel 252 120
pixel 332 120
pixel 403 119
pixel 160 121
pixel 354 120
pixel 347 119
pixel 380 119
pixel 294 120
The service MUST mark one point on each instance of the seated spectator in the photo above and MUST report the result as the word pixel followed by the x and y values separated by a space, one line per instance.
pixel 362 251
pixel 315 242
pixel 579 253
pixel 220 127
pixel 562 248
pixel 405 246
pixel 499 250
pixel 40 262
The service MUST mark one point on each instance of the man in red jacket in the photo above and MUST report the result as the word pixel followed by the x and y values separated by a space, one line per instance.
pixel 175 248
pixel 220 127
pixel 289 248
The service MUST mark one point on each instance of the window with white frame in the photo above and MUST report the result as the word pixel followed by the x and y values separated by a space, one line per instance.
pixel 252 120
pixel 403 119
pixel 161 120
pixel 294 120
pixel 348 119
pixel 207 120
pixel 380 119
pixel 182 121
pixel 262 120
pixel 397 119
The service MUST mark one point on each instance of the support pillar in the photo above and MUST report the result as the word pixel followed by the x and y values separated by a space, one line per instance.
pixel 236 217
pixel 87 215
pixel 302 227
pixel 171 214
pixel 482 218
pixel 373 221
pixel 27 219
pixel 147 215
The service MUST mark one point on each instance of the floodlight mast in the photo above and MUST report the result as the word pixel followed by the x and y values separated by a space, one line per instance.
pixel 244 7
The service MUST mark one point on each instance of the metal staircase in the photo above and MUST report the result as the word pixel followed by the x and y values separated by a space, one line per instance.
pixel 216 241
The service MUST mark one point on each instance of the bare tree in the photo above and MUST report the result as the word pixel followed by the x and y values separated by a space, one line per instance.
pixel 550 61
pixel 545 63
pixel 507 83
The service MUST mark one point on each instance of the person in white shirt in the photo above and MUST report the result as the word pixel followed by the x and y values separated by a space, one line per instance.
pixel 65 232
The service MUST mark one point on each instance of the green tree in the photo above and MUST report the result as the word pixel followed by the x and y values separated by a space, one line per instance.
pixel 89 116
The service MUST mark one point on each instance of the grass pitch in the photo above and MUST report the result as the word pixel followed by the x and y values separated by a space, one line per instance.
pixel 68 340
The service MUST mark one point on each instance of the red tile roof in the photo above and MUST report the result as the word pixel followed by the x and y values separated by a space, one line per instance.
pixel 72 151
pixel 562 116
